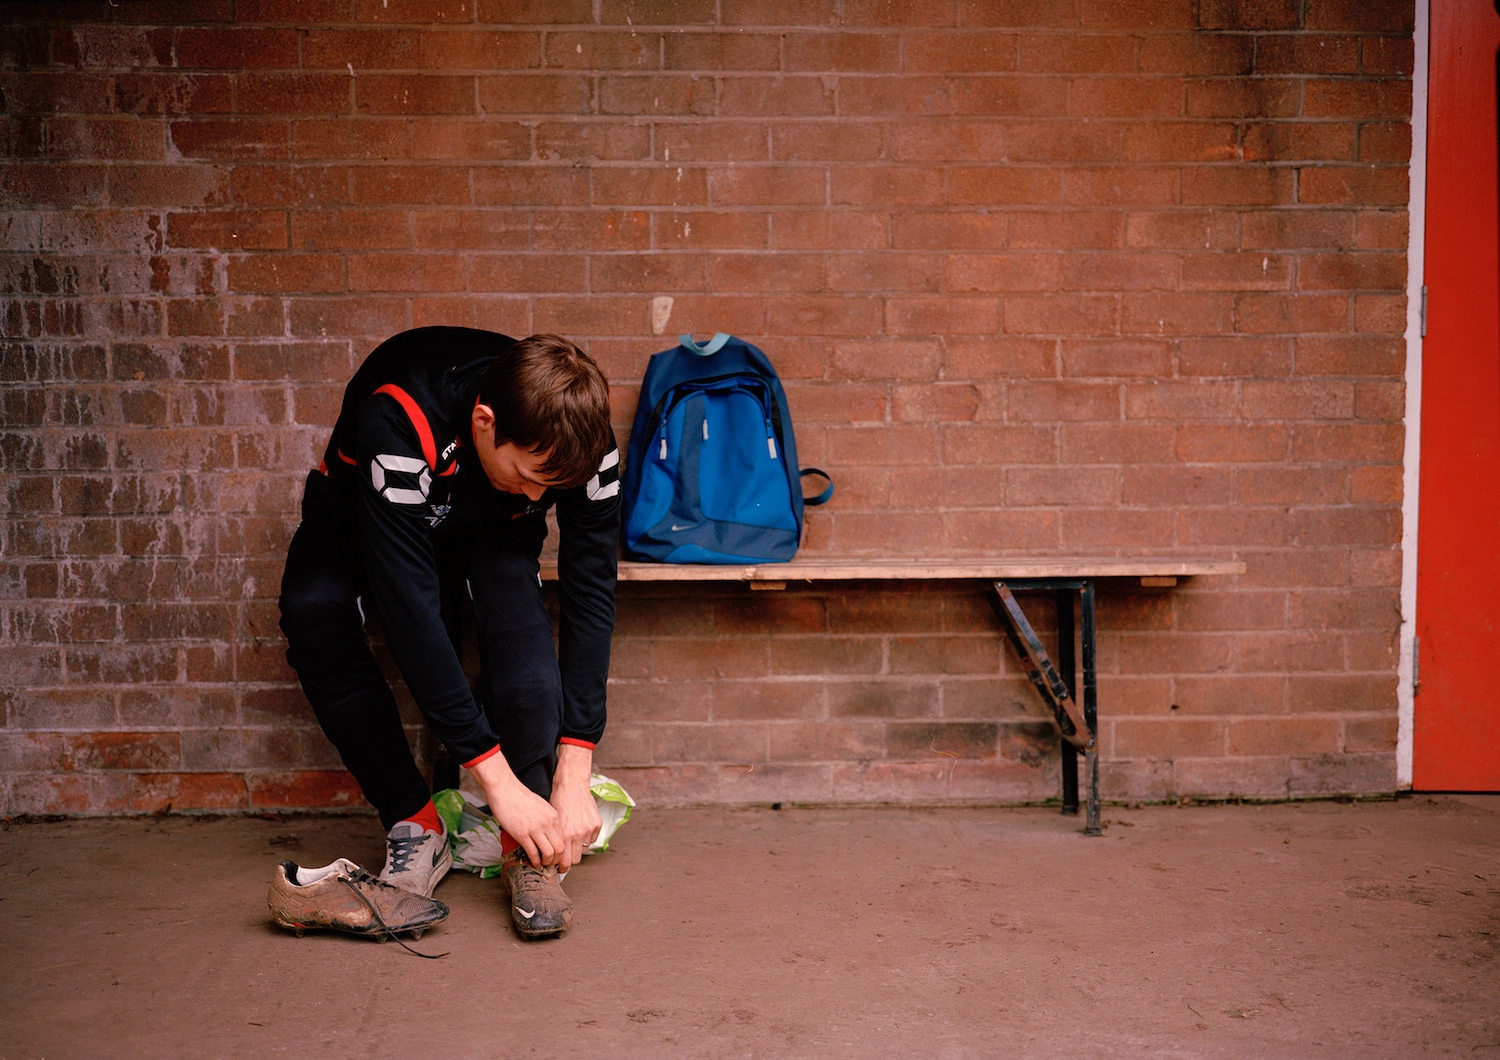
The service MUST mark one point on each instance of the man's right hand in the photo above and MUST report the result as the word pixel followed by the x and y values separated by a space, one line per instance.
pixel 524 815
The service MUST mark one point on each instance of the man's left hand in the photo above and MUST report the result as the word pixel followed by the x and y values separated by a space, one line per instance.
pixel 578 816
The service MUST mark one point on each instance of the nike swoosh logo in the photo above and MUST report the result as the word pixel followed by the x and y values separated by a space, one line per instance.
pixel 682 526
pixel 527 913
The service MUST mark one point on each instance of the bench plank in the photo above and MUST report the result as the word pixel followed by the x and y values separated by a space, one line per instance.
pixel 861 568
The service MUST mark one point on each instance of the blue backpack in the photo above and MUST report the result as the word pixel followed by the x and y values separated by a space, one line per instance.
pixel 711 473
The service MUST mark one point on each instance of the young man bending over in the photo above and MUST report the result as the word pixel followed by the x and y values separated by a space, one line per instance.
pixel 451 446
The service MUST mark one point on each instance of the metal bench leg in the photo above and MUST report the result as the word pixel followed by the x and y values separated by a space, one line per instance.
pixel 1090 706
pixel 1067 664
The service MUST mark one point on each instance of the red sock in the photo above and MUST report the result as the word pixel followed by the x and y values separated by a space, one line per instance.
pixel 507 844
pixel 428 818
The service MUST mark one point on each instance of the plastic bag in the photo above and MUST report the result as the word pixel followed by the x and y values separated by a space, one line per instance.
pixel 474 834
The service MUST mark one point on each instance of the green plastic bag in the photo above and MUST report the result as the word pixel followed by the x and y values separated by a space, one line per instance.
pixel 474 834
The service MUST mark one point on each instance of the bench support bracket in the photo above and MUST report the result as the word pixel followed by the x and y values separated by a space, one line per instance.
pixel 1079 727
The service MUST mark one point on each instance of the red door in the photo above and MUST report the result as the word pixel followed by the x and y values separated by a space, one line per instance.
pixel 1456 717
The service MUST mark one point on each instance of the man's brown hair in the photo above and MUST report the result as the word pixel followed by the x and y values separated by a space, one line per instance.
pixel 550 397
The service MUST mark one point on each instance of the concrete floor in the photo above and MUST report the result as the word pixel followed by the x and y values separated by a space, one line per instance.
pixel 1311 929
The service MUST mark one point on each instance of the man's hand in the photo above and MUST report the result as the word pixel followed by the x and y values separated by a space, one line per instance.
pixel 577 814
pixel 524 815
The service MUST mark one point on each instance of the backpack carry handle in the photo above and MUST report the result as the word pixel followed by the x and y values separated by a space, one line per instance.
pixel 709 348
pixel 826 495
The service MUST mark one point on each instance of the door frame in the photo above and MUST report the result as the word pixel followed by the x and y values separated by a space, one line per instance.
pixel 1411 473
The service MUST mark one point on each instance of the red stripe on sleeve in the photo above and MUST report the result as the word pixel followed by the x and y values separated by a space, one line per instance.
pixel 471 763
pixel 418 420
pixel 577 743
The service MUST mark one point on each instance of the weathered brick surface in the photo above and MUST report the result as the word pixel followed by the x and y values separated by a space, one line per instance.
pixel 1057 278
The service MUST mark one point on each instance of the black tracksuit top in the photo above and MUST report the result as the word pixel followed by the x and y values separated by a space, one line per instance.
pixel 403 446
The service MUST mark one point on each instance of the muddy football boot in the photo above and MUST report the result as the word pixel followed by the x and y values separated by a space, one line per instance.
pixel 538 906
pixel 344 897
pixel 415 859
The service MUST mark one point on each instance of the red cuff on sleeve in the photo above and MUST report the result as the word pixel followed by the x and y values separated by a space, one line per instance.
pixel 577 743
pixel 471 763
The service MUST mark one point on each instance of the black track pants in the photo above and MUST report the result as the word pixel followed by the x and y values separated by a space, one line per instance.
pixel 520 687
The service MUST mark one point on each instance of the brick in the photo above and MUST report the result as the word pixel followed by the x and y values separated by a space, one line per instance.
pixel 944 402
pixel 1306 53
pixel 1343 775
pixel 270 185
pixel 772 97
pixel 890 698
pixel 1370 735
pixel 379 49
pixel 1055 141
pixel 825 655
pixel 351 140
pixel 1376 485
pixel 1229 694
pixel 1345 609
pixel 172 93
pixel 1381 230
pixel 1292 485
pixel 947 739
pixel 270 274
pixel 656 186
pixel 478 140
pixel 895 13
pixel 984 444
pixel 1169 737
pixel 849 51
pixel 226 230
pixel 1374 443
pixel 168 792
pixel 1064 230
pixel 1119 272
pixel 1114 97
pixel 91 794
pixel 535 94
pixel 1372 185
pixel 1119 186
pixel 1000 358
pixel 610 141
pixel 1022 96
pixel 886 359
pixel 168 185
pixel 976 52
pixel 1386 55
pixel 350 316
pixel 1296 314
pixel 1161 486
pixel 1351 270
pixel 716 52
pixel 1249 14
pixel 1002 272
pixel 767 699
pixel 1116 444
pixel 584 230
pixel 1181 142
pixel 1051 402
pixel 420 185
pixel 1069 487
pixel 1245 97
pixel 1237 186
pixel 837 741
pixel 1196 230
pixel 236 48
pixel 1077 53
pixel 714 742
pixel 828 230
pixel 405 272
pixel 1179 401
pixel 1297 400
pixel 661 94
pixel 601 50
pixel 1242 778
pixel 1345 526
pixel 659 700
pixel 1351 15
pixel 528 272
pixel 286 790
pixel 1175 314
pixel 1060 314
pixel 1211 443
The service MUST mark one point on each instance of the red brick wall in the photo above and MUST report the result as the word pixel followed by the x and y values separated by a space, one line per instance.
pixel 1074 276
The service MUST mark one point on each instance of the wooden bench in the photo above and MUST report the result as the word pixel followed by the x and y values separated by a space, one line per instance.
pixel 1062 577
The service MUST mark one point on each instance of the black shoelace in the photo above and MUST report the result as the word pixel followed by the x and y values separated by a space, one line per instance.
pixel 364 877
